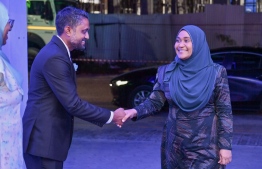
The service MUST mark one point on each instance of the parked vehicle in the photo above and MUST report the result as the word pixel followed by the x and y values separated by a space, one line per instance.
pixel 244 70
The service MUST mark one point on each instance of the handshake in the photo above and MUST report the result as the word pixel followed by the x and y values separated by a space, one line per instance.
pixel 121 115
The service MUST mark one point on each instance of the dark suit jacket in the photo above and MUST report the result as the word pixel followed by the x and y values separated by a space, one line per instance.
pixel 53 102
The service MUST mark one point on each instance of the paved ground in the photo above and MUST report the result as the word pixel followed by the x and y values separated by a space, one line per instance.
pixel 136 144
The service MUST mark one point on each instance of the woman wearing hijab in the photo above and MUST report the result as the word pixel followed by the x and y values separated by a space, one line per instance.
pixel 11 94
pixel 198 130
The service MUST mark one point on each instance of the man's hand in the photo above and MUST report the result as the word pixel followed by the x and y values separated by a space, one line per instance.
pixel 119 114
pixel 225 156
pixel 130 113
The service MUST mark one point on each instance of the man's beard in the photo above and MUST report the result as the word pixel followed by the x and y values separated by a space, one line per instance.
pixel 77 44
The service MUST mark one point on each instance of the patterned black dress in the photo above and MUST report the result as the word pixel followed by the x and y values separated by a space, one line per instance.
pixel 192 140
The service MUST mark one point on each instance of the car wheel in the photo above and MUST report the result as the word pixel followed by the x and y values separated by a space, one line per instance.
pixel 32 52
pixel 139 95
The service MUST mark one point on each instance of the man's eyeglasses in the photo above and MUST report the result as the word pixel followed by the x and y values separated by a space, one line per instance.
pixel 11 22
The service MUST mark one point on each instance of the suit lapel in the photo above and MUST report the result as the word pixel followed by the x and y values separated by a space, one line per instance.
pixel 61 45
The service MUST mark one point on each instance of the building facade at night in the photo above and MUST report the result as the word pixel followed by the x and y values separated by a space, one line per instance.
pixel 141 7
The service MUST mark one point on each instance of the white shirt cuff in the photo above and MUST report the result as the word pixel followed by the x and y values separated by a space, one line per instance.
pixel 111 117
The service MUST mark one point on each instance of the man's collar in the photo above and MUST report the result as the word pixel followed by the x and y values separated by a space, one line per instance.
pixel 65 46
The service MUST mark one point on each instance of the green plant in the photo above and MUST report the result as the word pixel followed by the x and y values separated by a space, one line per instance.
pixel 28 3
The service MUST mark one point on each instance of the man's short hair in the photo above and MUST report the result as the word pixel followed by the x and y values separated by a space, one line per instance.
pixel 69 16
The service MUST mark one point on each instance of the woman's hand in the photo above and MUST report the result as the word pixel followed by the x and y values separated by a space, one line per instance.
pixel 225 156
pixel 130 113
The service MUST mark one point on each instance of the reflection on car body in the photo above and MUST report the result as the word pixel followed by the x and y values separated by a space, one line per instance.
pixel 244 70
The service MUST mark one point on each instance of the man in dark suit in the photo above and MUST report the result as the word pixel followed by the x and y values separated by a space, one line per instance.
pixel 52 98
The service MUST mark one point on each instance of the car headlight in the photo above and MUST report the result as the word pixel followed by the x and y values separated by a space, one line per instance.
pixel 120 82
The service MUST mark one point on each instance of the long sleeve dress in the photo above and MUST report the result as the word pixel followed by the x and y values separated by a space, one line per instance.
pixel 192 140
pixel 11 94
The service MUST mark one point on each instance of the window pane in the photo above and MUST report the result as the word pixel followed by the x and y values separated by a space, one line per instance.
pixel 218 58
pixel 59 5
pixel 36 8
pixel 246 61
